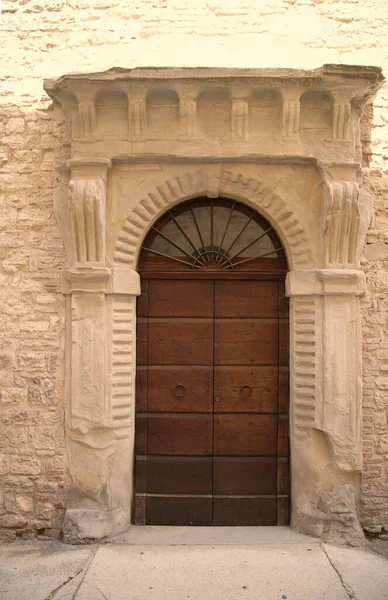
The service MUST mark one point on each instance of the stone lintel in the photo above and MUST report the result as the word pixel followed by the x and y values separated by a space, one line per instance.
pixel 325 282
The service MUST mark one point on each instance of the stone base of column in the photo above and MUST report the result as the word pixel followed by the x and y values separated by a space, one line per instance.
pixel 84 526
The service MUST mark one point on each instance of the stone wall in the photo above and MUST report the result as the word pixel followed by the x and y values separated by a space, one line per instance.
pixel 42 39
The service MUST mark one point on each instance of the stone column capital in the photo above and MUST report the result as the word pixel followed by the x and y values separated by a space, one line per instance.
pixel 326 282
pixel 86 278
pixel 89 168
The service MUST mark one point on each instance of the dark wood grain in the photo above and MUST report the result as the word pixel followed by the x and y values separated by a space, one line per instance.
pixel 179 511
pixel 180 389
pixel 182 474
pixel 248 298
pixel 180 435
pixel 180 342
pixel 247 435
pixel 186 298
pixel 245 475
pixel 245 511
pixel 246 342
pixel 246 389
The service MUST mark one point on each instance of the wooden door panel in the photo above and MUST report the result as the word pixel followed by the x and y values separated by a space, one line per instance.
pixel 245 342
pixel 141 341
pixel 180 298
pixel 180 342
pixel 180 389
pixel 245 511
pixel 246 389
pixel 179 511
pixel 247 435
pixel 180 475
pixel 200 462
pixel 245 475
pixel 284 389
pixel 141 388
pixel 141 434
pixel 142 300
pixel 283 511
pixel 283 476
pixel 284 342
pixel 180 435
pixel 246 298
pixel 283 435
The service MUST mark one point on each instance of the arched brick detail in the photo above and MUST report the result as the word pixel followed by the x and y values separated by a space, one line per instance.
pixel 228 184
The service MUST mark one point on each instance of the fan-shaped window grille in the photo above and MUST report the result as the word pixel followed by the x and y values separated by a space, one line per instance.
pixel 212 234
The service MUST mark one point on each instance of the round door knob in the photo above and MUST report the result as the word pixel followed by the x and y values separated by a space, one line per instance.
pixel 217 398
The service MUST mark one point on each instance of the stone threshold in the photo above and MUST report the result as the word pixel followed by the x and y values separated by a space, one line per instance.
pixel 210 536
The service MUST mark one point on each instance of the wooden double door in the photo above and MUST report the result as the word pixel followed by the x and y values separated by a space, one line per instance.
pixel 212 443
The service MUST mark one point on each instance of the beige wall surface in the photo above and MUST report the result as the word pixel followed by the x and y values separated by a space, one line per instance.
pixel 48 38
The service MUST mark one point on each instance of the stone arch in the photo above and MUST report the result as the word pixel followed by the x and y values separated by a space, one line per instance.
pixel 246 189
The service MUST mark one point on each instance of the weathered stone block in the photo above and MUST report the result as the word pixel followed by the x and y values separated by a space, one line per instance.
pixel 25 465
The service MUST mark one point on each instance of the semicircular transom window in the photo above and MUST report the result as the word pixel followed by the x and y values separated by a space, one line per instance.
pixel 212 234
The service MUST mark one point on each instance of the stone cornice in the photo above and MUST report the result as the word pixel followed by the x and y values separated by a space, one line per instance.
pixel 216 113
pixel 333 71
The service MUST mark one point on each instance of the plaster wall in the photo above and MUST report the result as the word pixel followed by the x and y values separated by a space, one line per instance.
pixel 47 39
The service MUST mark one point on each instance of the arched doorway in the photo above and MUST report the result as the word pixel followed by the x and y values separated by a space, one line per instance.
pixel 212 400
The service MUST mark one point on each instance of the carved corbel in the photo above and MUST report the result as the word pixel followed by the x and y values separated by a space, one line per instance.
pixel 291 112
pixel 188 113
pixel 87 221
pixel 342 223
pixel 240 118
pixel 137 114
pixel 341 117
pixel 86 118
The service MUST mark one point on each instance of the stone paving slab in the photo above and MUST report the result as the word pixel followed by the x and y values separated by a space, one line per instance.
pixel 33 570
pixel 365 575
pixel 266 572
pixel 220 571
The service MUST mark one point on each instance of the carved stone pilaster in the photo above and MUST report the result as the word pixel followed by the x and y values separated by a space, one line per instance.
pixel 240 118
pixel 326 394
pixel 86 118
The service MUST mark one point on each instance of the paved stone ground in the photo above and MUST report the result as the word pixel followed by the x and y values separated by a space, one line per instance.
pixel 228 564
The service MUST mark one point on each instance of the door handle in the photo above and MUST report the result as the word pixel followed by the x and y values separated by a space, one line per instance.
pixel 217 398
